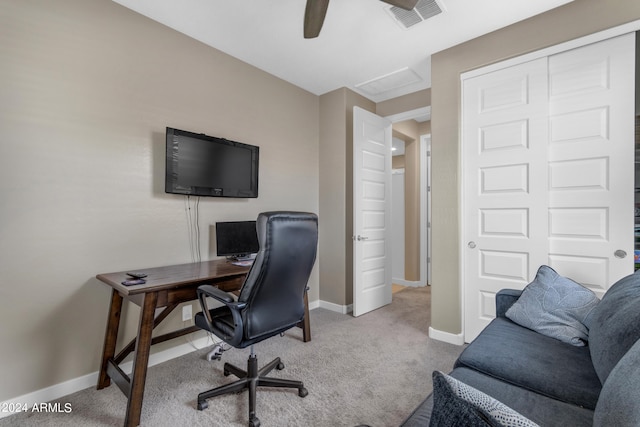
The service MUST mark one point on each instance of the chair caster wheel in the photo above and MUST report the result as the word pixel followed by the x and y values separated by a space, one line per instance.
pixel 280 366
pixel 254 422
pixel 202 405
pixel 302 392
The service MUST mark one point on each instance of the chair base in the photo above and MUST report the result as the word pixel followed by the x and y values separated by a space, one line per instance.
pixel 250 380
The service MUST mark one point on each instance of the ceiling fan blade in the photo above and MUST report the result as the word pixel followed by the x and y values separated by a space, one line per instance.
pixel 314 15
pixel 404 4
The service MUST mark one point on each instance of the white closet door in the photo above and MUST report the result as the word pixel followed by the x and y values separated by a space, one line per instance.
pixel 591 162
pixel 548 173
pixel 504 185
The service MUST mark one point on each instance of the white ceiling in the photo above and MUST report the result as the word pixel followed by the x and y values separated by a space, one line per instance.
pixel 359 41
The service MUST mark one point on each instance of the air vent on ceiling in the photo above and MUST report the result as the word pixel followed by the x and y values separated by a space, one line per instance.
pixel 424 10
pixel 395 80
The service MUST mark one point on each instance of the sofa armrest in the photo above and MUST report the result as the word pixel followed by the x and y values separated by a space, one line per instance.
pixel 421 416
pixel 505 299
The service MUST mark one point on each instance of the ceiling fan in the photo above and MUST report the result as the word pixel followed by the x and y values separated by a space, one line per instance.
pixel 317 9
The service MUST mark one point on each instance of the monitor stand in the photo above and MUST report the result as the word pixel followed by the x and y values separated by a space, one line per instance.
pixel 242 257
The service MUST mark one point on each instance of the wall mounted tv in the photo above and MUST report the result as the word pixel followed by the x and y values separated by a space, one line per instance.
pixel 201 165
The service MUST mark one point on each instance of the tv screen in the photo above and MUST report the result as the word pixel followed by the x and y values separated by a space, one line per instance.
pixel 236 239
pixel 201 165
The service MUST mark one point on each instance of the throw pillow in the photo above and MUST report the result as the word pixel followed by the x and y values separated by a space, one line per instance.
pixel 458 404
pixel 555 306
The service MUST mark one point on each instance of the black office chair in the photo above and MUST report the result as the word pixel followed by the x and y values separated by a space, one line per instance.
pixel 271 301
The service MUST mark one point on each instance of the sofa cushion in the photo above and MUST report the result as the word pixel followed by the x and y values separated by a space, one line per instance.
pixel 618 403
pixel 542 410
pixel 614 325
pixel 456 403
pixel 527 359
pixel 555 306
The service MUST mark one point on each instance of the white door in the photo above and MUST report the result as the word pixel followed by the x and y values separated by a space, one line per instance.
pixel 371 211
pixel 504 185
pixel 554 187
pixel 591 162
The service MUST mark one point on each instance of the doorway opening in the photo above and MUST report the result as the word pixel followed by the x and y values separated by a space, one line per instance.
pixel 412 209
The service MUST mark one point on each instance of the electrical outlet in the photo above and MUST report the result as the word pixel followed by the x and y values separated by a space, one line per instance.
pixel 186 313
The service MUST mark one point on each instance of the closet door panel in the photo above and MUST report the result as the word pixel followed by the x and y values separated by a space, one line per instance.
pixel 504 185
pixel 591 168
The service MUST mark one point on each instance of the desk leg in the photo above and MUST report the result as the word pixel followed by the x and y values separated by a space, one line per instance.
pixel 110 337
pixel 141 359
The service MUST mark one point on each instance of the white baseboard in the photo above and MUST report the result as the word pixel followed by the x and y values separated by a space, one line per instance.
pixel 25 402
pixel 343 309
pixel 57 391
pixel 457 339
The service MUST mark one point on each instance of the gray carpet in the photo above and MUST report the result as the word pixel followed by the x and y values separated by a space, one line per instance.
pixel 371 370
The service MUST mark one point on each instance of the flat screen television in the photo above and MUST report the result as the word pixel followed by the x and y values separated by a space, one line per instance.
pixel 236 239
pixel 202 165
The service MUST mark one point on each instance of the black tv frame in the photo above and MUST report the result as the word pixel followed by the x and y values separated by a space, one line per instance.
pixel 174 137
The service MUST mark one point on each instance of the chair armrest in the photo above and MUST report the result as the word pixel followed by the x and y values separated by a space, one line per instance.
pixel 505 299
pixel 215 293
pixel 205 291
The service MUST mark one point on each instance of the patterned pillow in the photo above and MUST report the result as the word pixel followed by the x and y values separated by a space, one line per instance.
pixel 458 404
pixel 555 306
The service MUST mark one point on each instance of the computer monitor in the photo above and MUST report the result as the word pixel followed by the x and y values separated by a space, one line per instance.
pixel 236 239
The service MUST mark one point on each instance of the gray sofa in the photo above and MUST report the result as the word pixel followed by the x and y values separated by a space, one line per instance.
pixel 553 383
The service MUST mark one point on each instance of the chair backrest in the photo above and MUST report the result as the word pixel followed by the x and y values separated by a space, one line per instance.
pixel 275 286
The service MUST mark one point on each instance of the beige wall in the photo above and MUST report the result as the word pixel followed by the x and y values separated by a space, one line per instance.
pixel 424 128
pixel 397 162
pixel 408 131
pixel 333 195
pixel 402 104
pixel 87 90
pixel 578 18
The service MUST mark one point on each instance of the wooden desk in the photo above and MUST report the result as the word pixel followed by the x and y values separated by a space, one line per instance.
pixel 166 287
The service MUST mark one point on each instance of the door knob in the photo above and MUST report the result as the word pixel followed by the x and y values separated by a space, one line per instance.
pixel 620 253
pixel 471 245
pixel 362 238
